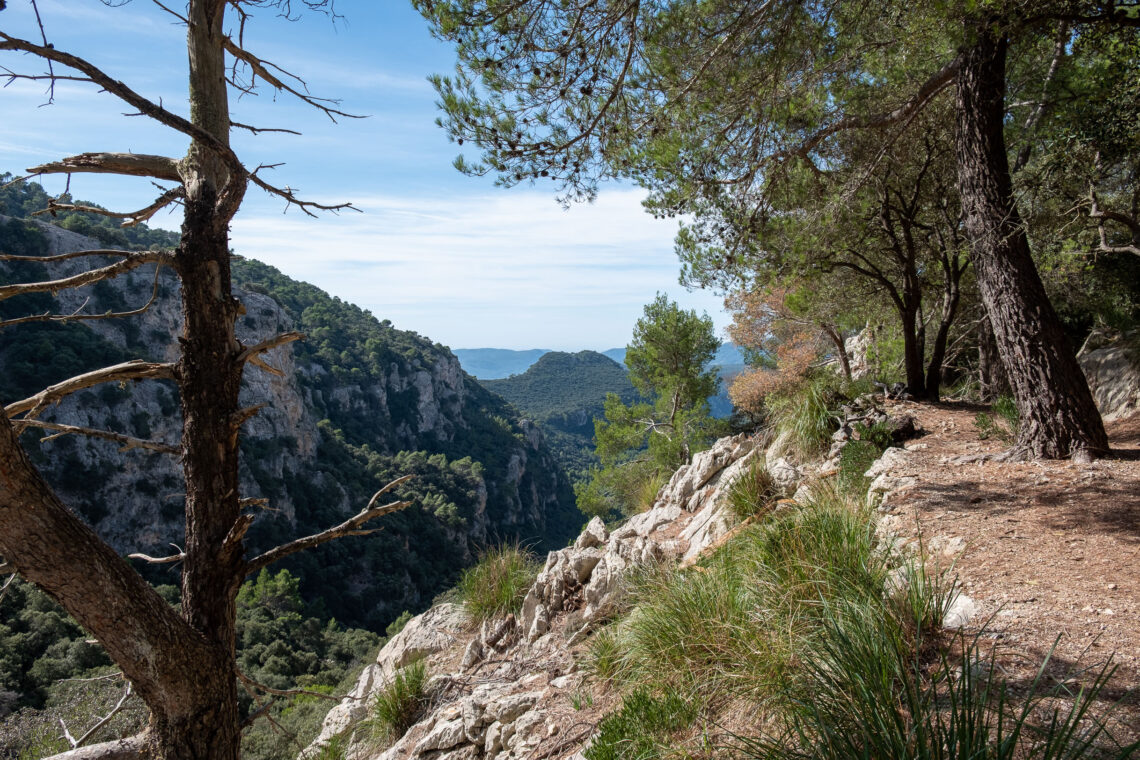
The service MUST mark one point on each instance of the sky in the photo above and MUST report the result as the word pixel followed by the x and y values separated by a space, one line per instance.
pixel 451 257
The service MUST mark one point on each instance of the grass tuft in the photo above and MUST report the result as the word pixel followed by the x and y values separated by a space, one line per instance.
pixel 497 584
pixel 754 492
pixel 400 704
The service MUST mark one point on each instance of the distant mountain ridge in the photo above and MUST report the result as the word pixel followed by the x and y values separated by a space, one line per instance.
pixel 496 363
pixel 564 392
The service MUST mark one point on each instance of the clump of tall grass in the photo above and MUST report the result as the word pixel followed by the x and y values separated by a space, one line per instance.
pixel 802 417
pixel 728 627
pixel 496 585
pixel 838 643
pixel 400 704
pixel 754 492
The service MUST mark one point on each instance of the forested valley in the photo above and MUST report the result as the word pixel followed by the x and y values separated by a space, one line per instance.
pixel 223 489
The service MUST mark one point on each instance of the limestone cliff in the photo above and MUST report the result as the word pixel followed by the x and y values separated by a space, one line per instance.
pixel 356 404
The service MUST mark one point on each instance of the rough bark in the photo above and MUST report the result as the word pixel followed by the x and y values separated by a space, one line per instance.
pixel 1058 416
pixel 913 352
pixel 992 380
pixel 951 296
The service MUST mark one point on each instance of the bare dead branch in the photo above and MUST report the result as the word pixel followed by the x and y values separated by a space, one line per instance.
pixel 130 261
pixel 259 130
pixel 76 316
pixel 253 353
pixel 284 692
pixel 75 743
pixel 251 501
pixel 8 583
pixel 120 749
pixel 130 164
pixel 181 555
pixel 126 441
pixel 64 256
pixel 129 219
pixel 129 96
pixel 136 369
pixel 350 527
pixel 291 198
pixel 1101 216
pixel 274 76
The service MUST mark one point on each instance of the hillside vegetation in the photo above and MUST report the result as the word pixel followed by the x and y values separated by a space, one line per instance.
pixel 564 393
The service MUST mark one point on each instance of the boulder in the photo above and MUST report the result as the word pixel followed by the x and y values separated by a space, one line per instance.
pixel 1113 373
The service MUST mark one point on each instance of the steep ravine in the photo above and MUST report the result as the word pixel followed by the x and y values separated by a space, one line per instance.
pixel 355 405
pixel 507 689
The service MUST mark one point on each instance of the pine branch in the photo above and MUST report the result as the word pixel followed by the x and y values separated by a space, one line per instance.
pixel 136 369
pixel 350 527
pixel 126 441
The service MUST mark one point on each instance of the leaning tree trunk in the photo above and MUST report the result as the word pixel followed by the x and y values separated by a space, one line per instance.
pixel 992 380
pixel 1058 416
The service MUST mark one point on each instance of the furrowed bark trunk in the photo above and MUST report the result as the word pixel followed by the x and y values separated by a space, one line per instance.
pixel 950 300
pixel 992 380
pixel 209 376
pixel 912 353
pixel 1058 416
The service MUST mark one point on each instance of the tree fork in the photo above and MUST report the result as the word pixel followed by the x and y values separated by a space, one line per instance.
pixel 1058 416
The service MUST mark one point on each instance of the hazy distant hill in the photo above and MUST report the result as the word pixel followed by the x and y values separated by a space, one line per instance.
pixel 564 393
pixel 495 363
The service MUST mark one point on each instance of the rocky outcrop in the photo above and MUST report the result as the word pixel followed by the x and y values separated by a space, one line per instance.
pixel 1113 372
pixel 506 689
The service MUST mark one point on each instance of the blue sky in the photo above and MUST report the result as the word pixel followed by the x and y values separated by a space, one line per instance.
pixel 451 257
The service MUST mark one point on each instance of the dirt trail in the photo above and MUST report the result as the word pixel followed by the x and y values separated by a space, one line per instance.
pixel 1045 549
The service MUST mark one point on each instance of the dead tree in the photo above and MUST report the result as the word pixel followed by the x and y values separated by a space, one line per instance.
pixel 181 664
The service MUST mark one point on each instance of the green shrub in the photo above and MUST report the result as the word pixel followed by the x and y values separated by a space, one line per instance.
pixel 1002 422
pixel 496 585
pixel 641 728
pixel 803 417
pixel 400 704
pixel 859 454
pixel 398 624
pixel 753 492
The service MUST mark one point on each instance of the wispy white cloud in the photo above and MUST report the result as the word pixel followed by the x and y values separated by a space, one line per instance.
pixel 510 269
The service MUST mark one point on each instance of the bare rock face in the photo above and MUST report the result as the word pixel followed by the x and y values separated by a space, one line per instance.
pixel 424 635
pixel 503 690
pixel 413 397
pixel 1113 373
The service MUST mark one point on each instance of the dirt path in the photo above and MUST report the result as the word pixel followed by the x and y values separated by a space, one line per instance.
pixel 1049 551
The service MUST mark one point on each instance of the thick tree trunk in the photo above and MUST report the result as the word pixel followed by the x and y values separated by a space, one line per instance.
pixel 912 353
pixel 1058 416
pixel 992 380
pixel 950 299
